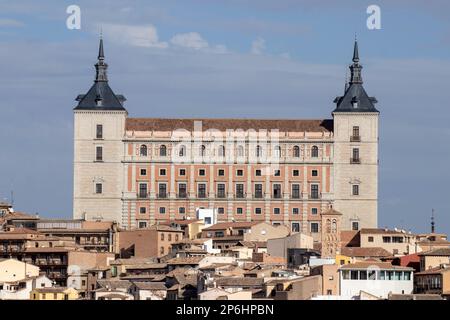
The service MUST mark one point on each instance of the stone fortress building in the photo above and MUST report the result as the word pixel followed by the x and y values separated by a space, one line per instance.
pixel 138 171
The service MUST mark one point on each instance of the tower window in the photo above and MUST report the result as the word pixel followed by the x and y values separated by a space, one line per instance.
pixel 98 188
pixel 355 225
pixel 99 153
pixel 356 131
pixel 355 189
pixel 99 132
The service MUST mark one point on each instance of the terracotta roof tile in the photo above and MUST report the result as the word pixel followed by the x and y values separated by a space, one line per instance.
pixel 226 225
pixel 436 252
pixel 365 252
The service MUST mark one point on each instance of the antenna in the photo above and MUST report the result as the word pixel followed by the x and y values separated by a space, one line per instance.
pixel 12 198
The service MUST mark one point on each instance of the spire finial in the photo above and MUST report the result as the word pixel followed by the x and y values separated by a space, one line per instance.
pixel 101 54
pixel 355 51
pixel 432 220
pixel 101 66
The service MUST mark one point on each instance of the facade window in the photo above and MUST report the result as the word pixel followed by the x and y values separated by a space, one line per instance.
pixel 98 188
pixel 201 172
pixel 295 227
pixel 314 152
pixel 314 227
pixel 355 154
pixel 239 210
pixel 162 151
pixel 182 190
pixel 221 190
pixel 99 132
pixel 143 190
pixel 277 173
pixel 143 150
pixel 221 172
pixel 277 190
pixel 221 151
pixel 258 211
pixel 355 225
pixel 162 172
pixel 258 190
pixel 276 210
pixel 314 191
pixel 239 172
pixel 142 210
pixel 162 190
pixel 161 250
pixel 201 190
pixel 356 132
pixel 258 172
pixel 258 151
pixel 277 152
pixel 99 153
pixel 182 172
pixel 143 172
pixel 239 190
pixel 295 173
pixel 314 211
pixel 202 150
pixel 370 239
pixel 220 210
pixel 142 224
pixel 182 151
pixel 355 189
pixel 387 239
pixel 162 210
pixel 240 151
pixel 295 211
pixel 296 191
pixel 314 173
pixel 296 152
pixel 169 237
pixel 181 210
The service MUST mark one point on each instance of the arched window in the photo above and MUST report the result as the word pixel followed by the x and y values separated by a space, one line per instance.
pixel 258 151
pixel 334 226
pixel 163 151
pixel 240 151
pixel 182 151
pixel 328 226
pixel 221 151
pixel 314 152
pixel 277 152
pixel 296 152
pixel 143 150
pixel 202 151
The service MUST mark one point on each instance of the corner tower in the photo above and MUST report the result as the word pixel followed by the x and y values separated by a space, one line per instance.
pixel 99 127
pixel 356 153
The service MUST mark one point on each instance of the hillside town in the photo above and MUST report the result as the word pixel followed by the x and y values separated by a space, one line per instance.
pixel 201 259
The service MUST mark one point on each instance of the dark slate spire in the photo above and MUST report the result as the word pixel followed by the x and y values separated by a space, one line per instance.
pixel 100 96
pixel 355 98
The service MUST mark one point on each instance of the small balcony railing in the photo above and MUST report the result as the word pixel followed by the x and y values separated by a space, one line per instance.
pixel 355 160
pixel 182 195
pixel 314 196
pixel 355 138
pixel 142 195
pixel 161 195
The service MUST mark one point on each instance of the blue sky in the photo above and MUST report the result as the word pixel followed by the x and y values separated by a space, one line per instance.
pixel 228 58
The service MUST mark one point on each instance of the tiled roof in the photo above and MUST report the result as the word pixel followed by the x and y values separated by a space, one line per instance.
pixel 436 252
pixel 147 266
pixel 144 285
pixel 435 270
pixel 158 124
pixel 365 252
pixel 239 281
pixel 114 284
pixel 350 238
pixel 184 260
pixel 226 225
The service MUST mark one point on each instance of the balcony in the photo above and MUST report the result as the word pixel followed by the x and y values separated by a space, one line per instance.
pixel 142 195
pixel 221 195
pixel 355 138
pixel 202 195
pixel 277 196
pixel 182 195
pixel 355 160
pixel 315 196
pixel 240 195
pixel 295 196
pixel 161 195
pixel 258 195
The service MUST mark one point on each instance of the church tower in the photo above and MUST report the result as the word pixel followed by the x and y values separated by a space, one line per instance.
pixel 356 153
pixel 99 127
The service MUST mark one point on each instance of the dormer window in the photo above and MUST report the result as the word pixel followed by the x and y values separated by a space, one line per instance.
pixel 99 101
pixel 355 102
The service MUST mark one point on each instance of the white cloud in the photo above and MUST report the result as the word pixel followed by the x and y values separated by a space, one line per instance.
pixel 11 23
pixel 189 40
pixel 258 45
pixel 138 36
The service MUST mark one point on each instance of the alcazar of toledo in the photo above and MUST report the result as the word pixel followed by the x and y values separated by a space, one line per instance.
pixel 138 171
